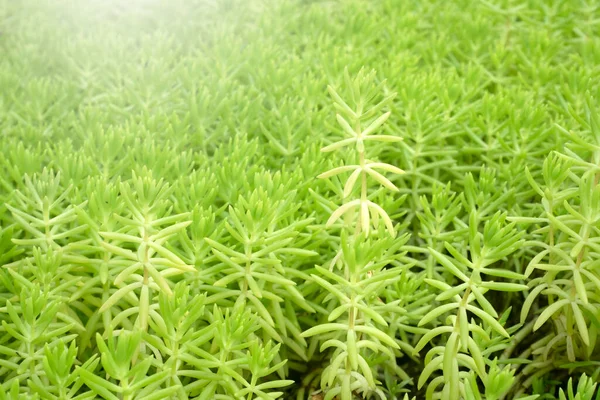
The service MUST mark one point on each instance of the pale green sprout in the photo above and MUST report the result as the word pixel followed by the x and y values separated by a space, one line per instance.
pixel 356 332
pixel 150 266
pixel 570 198
pixel 585 389
pixel 461 350
pixel 369 212
pixel 118 358
pixel 41 212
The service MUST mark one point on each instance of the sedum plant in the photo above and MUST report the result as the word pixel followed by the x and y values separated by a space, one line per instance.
pixel 468 340
pixel 221 200
pixel 147 227
pixel 356 276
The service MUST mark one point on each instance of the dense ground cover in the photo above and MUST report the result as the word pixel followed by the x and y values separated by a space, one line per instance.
pixel 171 229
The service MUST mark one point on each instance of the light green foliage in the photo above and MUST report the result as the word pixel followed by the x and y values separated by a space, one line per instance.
pixel 584 391
pixel 474 278
pixel 306 199
pixel 359 123
pixel 366 261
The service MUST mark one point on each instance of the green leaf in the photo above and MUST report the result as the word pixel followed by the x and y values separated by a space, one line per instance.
pixel 324 329
pixel 337 145
pixel 429 368
pixel 331 288
pixel 336 97
pixel 580 286
pixel 342 210
pixel 377 334
pixel 436 312
pixel 483 302
pixel 384 216
pixel 488 319
pixel 376 124
pixel 338 170
pixel 382 179
pixel 118 295
pixel 581 324
pixel 351 349
pixel 98 385
pixel 446 263
pixel 529 301
pixel 351 182
pixel 502 273
pixel 345 126
pixel 160 394
pixel 430 334
pixel 549 312
pixel 504 286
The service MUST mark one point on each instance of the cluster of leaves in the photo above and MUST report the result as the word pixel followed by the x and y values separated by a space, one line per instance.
pixel 163 233
pixel 366 263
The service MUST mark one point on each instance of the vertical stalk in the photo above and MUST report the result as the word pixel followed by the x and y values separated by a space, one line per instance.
pixel 145 293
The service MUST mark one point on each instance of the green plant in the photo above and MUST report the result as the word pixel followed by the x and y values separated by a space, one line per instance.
pixel 367 262
pixel 204 200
